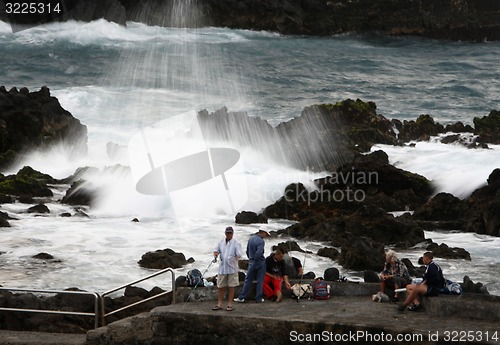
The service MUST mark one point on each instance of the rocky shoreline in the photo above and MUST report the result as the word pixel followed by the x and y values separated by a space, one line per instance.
pixel 359 223
pixel 467 20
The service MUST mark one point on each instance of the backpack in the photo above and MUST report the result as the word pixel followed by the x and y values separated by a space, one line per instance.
pixel 452 288
pixel 194 278
pixel 321 289
pixel 302 290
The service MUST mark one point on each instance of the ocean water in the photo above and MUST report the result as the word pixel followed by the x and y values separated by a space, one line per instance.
pixel 119 81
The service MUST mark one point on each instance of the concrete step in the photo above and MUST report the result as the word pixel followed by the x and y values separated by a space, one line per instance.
pixel 39 338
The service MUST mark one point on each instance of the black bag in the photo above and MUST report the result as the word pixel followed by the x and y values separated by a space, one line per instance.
pixel 194 278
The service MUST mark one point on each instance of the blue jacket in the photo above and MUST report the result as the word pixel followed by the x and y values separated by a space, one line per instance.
pixel 255 248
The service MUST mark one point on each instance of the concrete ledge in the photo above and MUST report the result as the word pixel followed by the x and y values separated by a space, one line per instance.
pixel 467 306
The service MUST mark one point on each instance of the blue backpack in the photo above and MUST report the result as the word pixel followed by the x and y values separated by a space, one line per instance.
pixel 321 289
pixel 194 278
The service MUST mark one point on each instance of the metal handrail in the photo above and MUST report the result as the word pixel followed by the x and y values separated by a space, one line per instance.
pixel 95 295
pixel 103 310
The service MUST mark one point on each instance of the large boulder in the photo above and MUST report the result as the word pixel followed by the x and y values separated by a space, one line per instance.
pixel 79 194
pixel 248 217
pixel 488 128
pixel 361 253
pixel 484 207
pixel 164 258
pixel 443 251
pixel 443 211
pixel 31 120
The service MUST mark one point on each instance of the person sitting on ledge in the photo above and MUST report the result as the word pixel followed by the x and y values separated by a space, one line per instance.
pixel 275 274
pixel 395 274
pixel 433 282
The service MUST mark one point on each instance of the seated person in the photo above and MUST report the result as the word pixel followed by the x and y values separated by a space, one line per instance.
pixel 395 274
pixel 275 274
pixel 433 282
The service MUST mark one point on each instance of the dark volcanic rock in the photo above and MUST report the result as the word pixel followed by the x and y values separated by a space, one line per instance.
pixel 443 211
pixel 329 252
pixel 292 205
pixel 322 137
pixel 43 256
pixel 289 246
pixel 27 183
pixel 40 208
pixel 469 287
pixel 484 207
pixel 79 194
pixel 6 199
pixel 246 217
pixel 443 251
pixel 4 223
pixel 488 128
pixel 361 253
pixel 455 20
pixel 163 258
pixel 35 119
pixel 420 129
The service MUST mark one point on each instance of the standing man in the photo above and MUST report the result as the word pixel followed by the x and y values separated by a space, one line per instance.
pixel 256 266
pixel 229 251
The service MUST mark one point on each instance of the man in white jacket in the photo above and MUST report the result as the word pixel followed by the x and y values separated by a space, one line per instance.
pixel 229 251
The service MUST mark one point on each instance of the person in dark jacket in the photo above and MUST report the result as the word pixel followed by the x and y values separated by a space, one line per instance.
pixel 431 285
pixel 256 266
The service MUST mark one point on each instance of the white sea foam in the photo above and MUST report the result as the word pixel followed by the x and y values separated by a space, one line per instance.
pixel 452 168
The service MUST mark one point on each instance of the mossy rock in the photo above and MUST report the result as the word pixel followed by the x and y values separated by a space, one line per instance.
pixel 27 182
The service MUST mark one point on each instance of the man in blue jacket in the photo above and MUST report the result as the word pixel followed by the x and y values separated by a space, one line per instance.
pixel 256 266
pixel 433 282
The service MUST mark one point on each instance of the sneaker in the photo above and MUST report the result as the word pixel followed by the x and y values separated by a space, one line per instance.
pixel 415 307
pixel 401 307
pixel 239 300
pixel 261 301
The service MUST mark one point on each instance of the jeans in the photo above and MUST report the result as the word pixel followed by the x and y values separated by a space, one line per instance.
pixel 256 269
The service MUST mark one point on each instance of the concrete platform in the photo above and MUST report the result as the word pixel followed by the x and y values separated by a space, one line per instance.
pixel 341 319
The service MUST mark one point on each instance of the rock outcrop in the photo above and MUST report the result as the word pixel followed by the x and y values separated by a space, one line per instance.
pixel 164 258
pixel 31 120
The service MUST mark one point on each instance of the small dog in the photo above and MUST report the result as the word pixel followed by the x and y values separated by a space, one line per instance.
pixel 380 297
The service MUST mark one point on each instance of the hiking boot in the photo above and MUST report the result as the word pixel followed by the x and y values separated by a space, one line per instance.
pixel 239 300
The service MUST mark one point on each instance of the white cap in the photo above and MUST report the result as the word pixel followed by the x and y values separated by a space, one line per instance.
pixel 264 229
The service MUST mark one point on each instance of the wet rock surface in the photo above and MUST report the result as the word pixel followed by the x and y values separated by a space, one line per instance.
pixel 164 258
pixel 31 120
